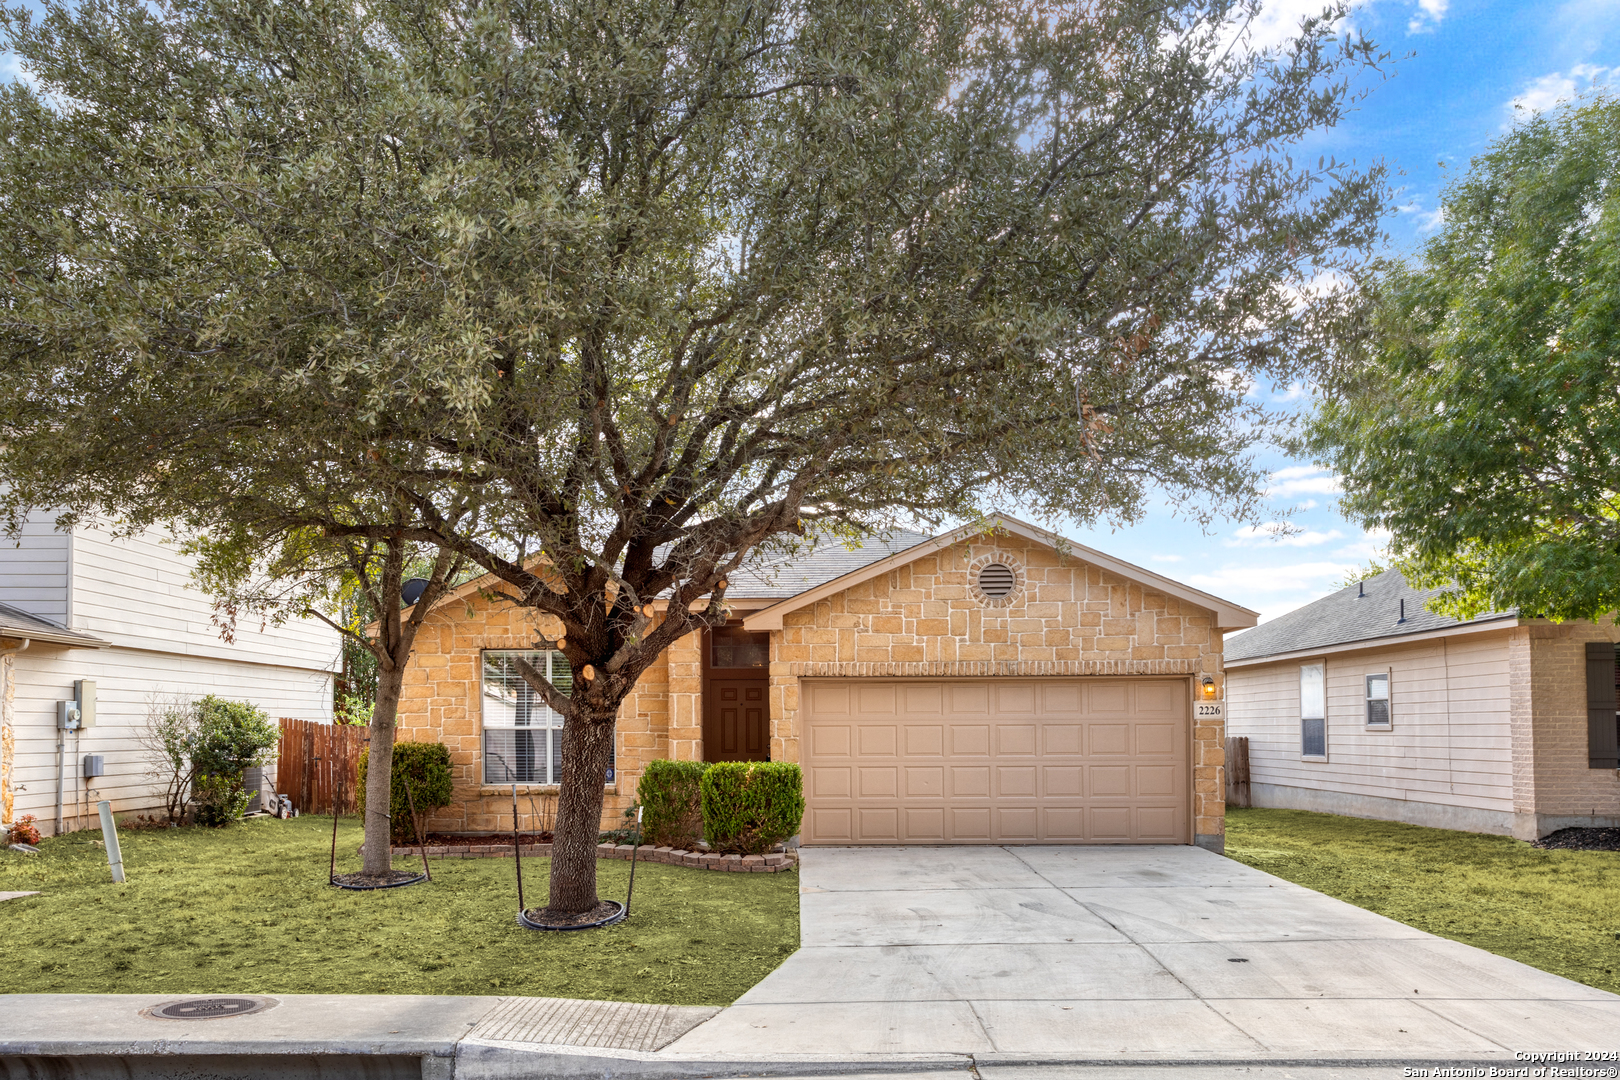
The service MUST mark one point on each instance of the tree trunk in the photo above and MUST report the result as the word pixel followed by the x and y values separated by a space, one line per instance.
pixel 587 744
pixel 378 848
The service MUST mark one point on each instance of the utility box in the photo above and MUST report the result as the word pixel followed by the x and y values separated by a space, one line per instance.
pixel 94 765
pixel 85 691
pixel 67 715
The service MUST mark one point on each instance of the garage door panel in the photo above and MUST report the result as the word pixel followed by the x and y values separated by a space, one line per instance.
pixel 970 781
pixel 925 741
pixel 970 740
pixel 1109 739
pixel 998 761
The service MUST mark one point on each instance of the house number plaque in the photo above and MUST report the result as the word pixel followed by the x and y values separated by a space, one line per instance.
pixel 1209 710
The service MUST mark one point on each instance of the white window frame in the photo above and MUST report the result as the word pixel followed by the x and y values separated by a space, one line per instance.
pixel 520 736
pixel 1388 722
pixel 1307 707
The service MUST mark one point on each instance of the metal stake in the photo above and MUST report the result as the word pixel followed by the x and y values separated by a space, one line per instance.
pixel 109 836
pixel 631 891
pixel 337 803
pixel 421 845
pixel 517 847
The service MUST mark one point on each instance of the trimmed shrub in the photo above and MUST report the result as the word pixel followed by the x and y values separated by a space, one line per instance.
pixel 229 738
pixel 671 796
pixel 751 806
pixel 427 766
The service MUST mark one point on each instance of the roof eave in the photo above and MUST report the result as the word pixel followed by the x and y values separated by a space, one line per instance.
pixel 1477 626
pixel 1228 616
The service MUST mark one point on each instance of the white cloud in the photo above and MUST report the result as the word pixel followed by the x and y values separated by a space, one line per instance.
pixel 1275 532
pixel 1551 91
pixel 1312 579
pixel 1302 480
pixel 1427 16
pixel 1166 558
pixel 1427 221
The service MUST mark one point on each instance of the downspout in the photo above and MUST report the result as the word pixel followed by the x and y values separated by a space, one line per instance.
pixel 8 735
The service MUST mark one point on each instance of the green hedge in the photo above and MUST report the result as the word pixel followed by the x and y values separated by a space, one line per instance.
pixel 428 767
pixel 751 806
pixel 671 797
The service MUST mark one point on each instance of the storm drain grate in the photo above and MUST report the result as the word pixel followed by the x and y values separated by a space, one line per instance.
pixel 214 1008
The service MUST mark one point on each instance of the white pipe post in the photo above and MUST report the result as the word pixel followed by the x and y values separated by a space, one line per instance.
pixel 109 834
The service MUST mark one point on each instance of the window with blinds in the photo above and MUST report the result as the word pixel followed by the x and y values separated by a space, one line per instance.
pixel 1312 711
pixel 1378 700
pixel 522 734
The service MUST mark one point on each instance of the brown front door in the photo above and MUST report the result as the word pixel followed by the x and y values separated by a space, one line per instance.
pixel 736 695
pixel 737 720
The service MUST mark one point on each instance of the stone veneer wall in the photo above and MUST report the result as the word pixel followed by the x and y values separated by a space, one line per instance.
pixel 441 701
pixel 1066 618
pixel 1552 786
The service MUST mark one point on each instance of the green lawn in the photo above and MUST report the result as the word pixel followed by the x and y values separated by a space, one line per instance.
pixel 247 910
pixel 1555 910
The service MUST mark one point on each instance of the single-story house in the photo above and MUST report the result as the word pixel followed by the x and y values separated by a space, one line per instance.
pixel 1367 704
pixel 972 687
pixel 117 625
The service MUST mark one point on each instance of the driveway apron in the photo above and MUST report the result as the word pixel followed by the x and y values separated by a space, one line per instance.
pixel 1127 953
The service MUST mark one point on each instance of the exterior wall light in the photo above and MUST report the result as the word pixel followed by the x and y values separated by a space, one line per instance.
pixel 1209 688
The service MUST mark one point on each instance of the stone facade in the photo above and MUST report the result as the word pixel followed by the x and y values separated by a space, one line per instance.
pixel 1553 787
pixel 1064 617
pixel 924 618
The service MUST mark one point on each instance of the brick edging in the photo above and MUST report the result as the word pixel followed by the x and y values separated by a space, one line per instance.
pixel 706 860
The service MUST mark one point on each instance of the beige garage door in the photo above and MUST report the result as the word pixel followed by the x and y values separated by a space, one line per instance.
pixel 996 761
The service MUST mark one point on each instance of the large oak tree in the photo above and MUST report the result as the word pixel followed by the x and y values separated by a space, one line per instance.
pixel 669 281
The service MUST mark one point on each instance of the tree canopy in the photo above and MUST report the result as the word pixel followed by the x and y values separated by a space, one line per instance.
pixel 663 282
pixel 1482 426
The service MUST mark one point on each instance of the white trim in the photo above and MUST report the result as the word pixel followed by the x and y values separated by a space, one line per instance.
pixel 1502 622
pixel 1228 616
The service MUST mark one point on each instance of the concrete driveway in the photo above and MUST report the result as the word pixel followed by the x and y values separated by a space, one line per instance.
pixel 1128 953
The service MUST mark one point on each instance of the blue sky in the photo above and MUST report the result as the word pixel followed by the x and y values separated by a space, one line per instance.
pixel 1464 68
pixel 1466 65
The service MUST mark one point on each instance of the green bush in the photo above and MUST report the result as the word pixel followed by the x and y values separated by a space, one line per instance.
pixel 426 766
pixel 218 800
pixel 751 806
pixel 671 795
pixel 228 738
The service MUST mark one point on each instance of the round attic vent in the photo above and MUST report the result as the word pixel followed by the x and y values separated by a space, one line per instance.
pixel 996 580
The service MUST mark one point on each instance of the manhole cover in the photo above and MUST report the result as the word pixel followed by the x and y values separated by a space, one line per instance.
pixel 214 1008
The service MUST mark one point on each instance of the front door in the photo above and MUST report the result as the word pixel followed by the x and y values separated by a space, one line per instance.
pixel 736 695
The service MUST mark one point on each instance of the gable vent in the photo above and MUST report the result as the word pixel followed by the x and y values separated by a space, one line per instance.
pixel 996 580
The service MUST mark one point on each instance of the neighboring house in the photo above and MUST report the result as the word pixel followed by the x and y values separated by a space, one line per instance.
pixel 123 615
pixel 964 688
pixel 1364 703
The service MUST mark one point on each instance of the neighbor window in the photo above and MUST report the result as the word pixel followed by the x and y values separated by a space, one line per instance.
pixel 1312 711
pixel 1378 700
pixel 523 735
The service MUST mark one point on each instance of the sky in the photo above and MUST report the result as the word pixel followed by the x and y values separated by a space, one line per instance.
pixel 1463 70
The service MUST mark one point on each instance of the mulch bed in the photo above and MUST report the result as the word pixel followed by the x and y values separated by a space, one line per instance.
pixel 563 920
pixel 1581 840
pixel 390 880
pixel 465 840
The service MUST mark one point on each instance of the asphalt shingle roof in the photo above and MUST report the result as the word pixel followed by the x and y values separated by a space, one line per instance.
pixel 780 575
pixel 15 622
pixel 1352 614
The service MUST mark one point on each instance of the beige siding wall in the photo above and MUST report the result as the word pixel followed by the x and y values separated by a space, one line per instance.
pixel 128 681
pixel 34 569
pixel 1450 742
pixel 1068 618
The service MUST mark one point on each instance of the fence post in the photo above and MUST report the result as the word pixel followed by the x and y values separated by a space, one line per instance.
pixel 1237 770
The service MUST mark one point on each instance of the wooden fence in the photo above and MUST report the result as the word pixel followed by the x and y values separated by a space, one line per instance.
pixel 316 761
pixel 1237 770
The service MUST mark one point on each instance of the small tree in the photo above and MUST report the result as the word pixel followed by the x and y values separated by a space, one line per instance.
pixel 168 738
